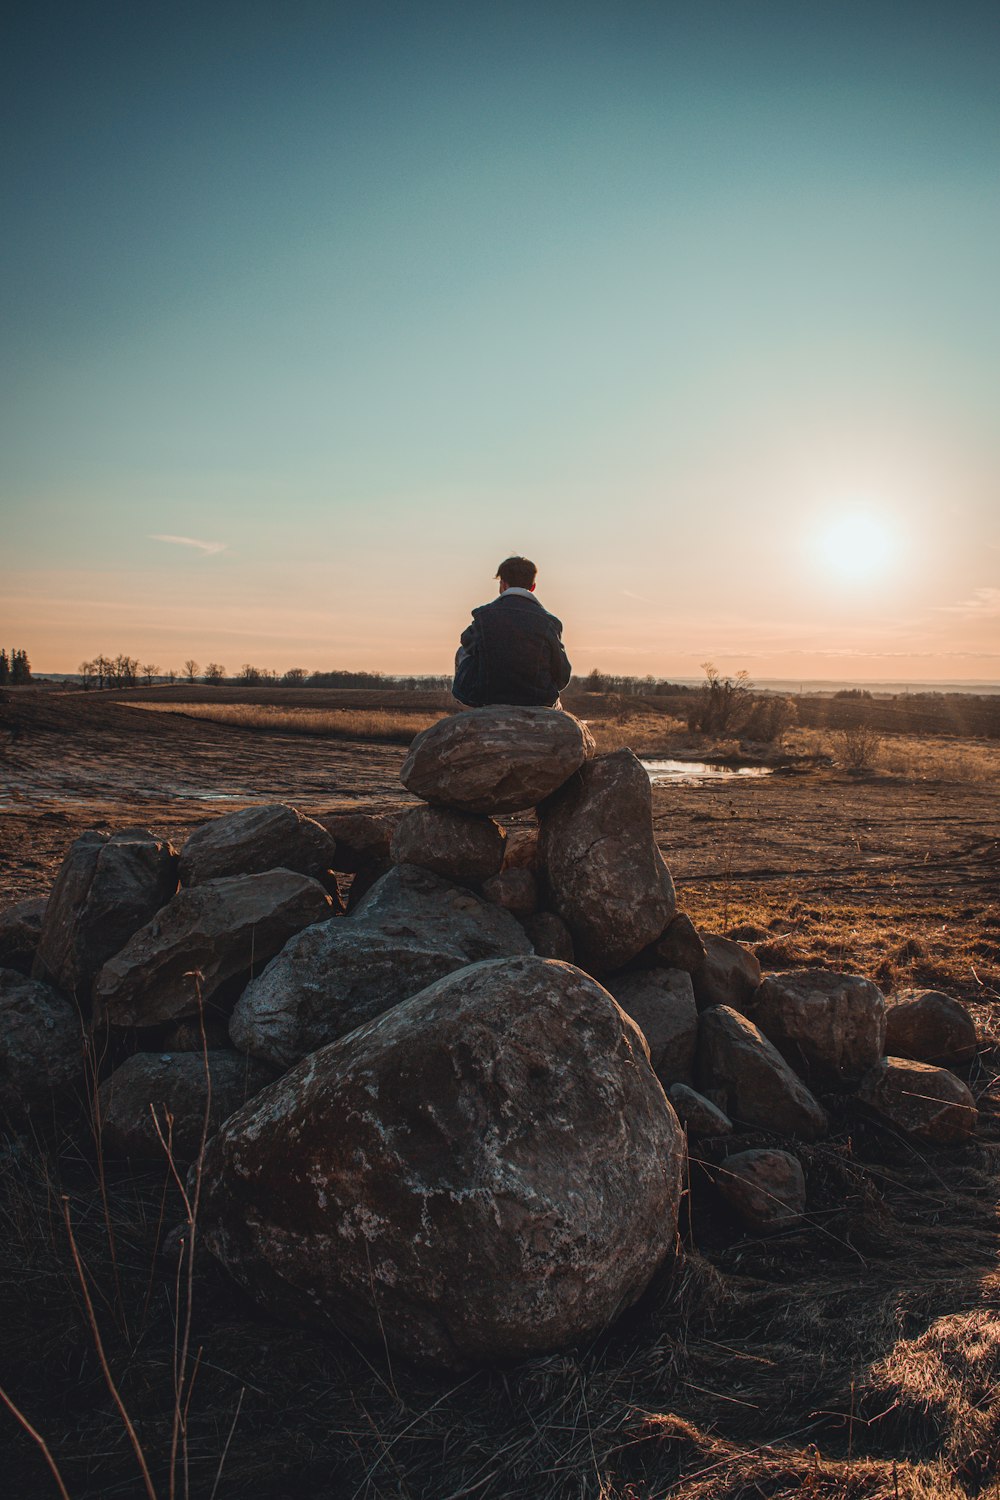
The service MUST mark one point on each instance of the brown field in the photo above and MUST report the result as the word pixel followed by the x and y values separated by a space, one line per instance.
pixel 857 1357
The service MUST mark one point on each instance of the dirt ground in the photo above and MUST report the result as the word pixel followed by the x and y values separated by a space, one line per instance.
pixel 897 877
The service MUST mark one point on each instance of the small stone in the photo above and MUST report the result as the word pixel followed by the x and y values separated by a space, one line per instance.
pixel 466 848
pixel 760 1088
pixel 549 936
pixel 175 1086
pixel 515 890
pixel 661 1003
pixel 830 1027
pixel 20 931
pixel 766 1189
pixel 698 1114
pixel 361 839
pixel 410 902
pixel 678 947
pixel 729 975
pixel 41 1047
pixel 926 1103
pixel 929 1027
pixel 255 839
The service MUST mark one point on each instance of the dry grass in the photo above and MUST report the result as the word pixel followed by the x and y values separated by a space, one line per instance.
pixel 914 757
pixel 384 726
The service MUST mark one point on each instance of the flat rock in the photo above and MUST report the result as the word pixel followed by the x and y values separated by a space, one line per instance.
pixel 488 1171
pixel 926 1103
pixel 696 1113
pixel 829 1026
pixel 20 932
pixel 606 877
pixel 225 929
pixel 729 975
pixel 549 936
pixel 464 847
pixel 929 1027
pixel 516 890
pixel 326 981
pixel 766 1189
pixel 760 1089
pixel 176 1087
pixel 496 759
pixel 413 903
pixel 661 1003
pixel 41 1047
pixel 255 839
pixel 108 886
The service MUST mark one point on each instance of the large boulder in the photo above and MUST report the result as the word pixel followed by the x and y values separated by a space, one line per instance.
pixel 328 980
pixel 927 1103
pixel 223 930
pixel 108 886
pixel 929 1027
pixel 20 932
pixel 413 903
pixel 606 877
pixel 182 1088
pixel 496 759
pixel 661 1003
pixel 765 1189
pixel 830 1027
pixel 735 1060
pixel 729 974
pixel 460 846
pixel 41 1046
pixel 255 839
pixel 488 1171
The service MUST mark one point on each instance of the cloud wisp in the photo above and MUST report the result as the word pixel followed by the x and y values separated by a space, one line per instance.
pixel 205 548
pixel 984 604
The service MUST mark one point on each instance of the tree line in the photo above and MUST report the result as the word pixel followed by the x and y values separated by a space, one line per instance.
pixel 15 669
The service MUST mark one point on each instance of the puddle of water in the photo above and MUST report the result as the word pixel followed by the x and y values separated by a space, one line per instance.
pixel 696 772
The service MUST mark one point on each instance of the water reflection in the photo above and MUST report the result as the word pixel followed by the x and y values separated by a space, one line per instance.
pixel 694 772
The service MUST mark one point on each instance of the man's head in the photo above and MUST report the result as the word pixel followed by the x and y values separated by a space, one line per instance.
pixel 516 573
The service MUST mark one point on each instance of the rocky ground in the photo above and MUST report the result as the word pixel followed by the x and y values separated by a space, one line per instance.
pixel 857 1355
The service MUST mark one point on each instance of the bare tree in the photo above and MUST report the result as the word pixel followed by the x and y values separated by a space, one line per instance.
pixel 215 673
pixel 191 669
pixel 149 671
pixel 88 673
pixel 295 675
pixel 171 674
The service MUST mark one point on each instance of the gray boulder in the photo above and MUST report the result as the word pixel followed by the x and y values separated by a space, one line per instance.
pixel 274 837
pixel 488 1171
pixel 929 1027
pixel 326 981
pixel 766 1189
pixel 226 930
pixel 728 975
pixel 496 759
pixel 20 932
pixel 830 1027
pixel 176 1086
pixel 698 1115
pixel 606 877
pixel 926 1103
pixel 108 886
pixel 464 847
pixel 41 1047
pixel 516 890
pixel 661 1003
pixel 759 1087
pixel 415 904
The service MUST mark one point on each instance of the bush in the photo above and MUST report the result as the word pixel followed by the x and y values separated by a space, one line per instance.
pixel 858 748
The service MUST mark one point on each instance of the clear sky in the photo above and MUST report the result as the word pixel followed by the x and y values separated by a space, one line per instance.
pixel 312 312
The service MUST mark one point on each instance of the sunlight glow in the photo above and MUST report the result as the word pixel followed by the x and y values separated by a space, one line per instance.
pixel 857 545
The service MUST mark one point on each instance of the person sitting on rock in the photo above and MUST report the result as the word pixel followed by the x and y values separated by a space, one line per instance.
pixel 513 651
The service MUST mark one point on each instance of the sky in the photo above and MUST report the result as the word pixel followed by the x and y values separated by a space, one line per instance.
pixel 313 312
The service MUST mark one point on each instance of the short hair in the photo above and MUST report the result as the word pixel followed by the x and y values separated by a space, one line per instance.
pixel 517 572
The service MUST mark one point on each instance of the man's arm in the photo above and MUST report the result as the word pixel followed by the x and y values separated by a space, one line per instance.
pixel 466 684
pixel 561 669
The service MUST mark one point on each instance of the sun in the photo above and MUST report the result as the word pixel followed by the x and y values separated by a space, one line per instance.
pixel 857 545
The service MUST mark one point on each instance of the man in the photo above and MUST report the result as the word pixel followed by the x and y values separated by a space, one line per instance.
pixel 513 651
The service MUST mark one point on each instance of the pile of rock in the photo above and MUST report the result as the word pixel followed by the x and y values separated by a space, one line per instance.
pixel 451 1114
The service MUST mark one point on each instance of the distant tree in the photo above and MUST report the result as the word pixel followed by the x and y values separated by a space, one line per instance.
pixel 125 670
pixel 191 669
pixel 88 674
pixel 171 674
pixel 214 673
pixel 294 676
pixel 20 668
pixel 4 669
pixel 149 671
pixel 723 702
pixel 249 675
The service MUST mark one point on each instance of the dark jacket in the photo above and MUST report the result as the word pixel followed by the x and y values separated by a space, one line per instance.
pixel 511 653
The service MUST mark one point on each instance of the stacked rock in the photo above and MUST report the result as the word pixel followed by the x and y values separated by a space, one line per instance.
pixel 447 1115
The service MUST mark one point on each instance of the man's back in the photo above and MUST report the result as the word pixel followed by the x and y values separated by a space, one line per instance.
pixel 512 653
